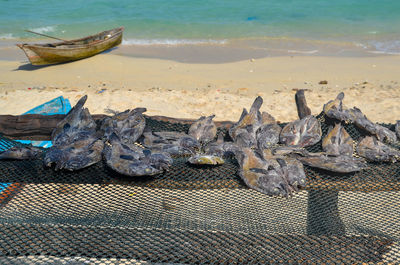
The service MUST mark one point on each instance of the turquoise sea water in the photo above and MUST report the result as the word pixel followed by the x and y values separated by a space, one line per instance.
pixel 368 24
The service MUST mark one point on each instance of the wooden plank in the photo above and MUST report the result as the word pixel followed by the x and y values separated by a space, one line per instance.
pixel 39 127
pixel 302 109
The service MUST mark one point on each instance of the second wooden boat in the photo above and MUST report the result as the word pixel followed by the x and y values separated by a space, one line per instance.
pixel 66 51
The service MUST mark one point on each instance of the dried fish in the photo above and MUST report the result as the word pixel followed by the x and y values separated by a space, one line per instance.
pixel 76 143
pixel 221 148
pixel 244 131
pixel 361 121
pixel 268 135
pixel 301 133
pixel 274 176
pixel 78 118
pixel 131 160
pixel 21 153
pixel 337 142
pixel 174 143
pixel 334 109
pixel 128 125
pixel 204 129
pixel 374 150
pixel 341 164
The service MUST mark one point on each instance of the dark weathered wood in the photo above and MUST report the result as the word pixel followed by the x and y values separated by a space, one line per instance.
pixel 302 109
pixel 31 126
pixel 39 127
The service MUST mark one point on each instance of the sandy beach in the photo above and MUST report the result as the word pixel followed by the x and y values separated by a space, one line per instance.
pixel 188 90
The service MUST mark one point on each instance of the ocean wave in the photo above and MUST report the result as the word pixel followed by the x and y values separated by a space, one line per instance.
pixel 44 29
pixel 7 36
pixel 170 42
pixel 385 47
pixel 303 52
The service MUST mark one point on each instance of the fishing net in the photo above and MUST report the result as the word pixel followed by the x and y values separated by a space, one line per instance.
pixel 196 215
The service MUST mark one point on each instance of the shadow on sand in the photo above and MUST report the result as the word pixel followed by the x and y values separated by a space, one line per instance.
pixel 30 67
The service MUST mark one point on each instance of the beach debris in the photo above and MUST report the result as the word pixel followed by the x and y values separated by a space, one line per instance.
pixel 323 82
pixel 204 159
pixel 204 129
pixel 301 133
pixel 337 141
pixel 274 176
pixel 132 160
pixel 374 150
pixel 128 125
pixel 302 109
pixel 101 90
pixel 21 153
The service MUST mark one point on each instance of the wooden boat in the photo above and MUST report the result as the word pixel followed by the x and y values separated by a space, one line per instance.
pixel 66 51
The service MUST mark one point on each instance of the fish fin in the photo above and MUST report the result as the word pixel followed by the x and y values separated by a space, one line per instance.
pixel 340 96
pixel 244 113
pixel 256 104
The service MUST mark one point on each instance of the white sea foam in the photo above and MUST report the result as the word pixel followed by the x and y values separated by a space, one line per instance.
pixel 385 47
pixel 170 42
pixel 7 36
pixel 384 52
pixel 44 29
pixel 303 52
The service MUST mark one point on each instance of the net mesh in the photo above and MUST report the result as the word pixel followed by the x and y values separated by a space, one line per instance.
pixel 196 215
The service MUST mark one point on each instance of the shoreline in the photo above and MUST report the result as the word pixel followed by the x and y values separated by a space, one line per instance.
pixel 190 90
pixel 207 51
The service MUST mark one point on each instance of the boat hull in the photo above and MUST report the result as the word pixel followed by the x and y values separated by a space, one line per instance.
pixel 43 54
